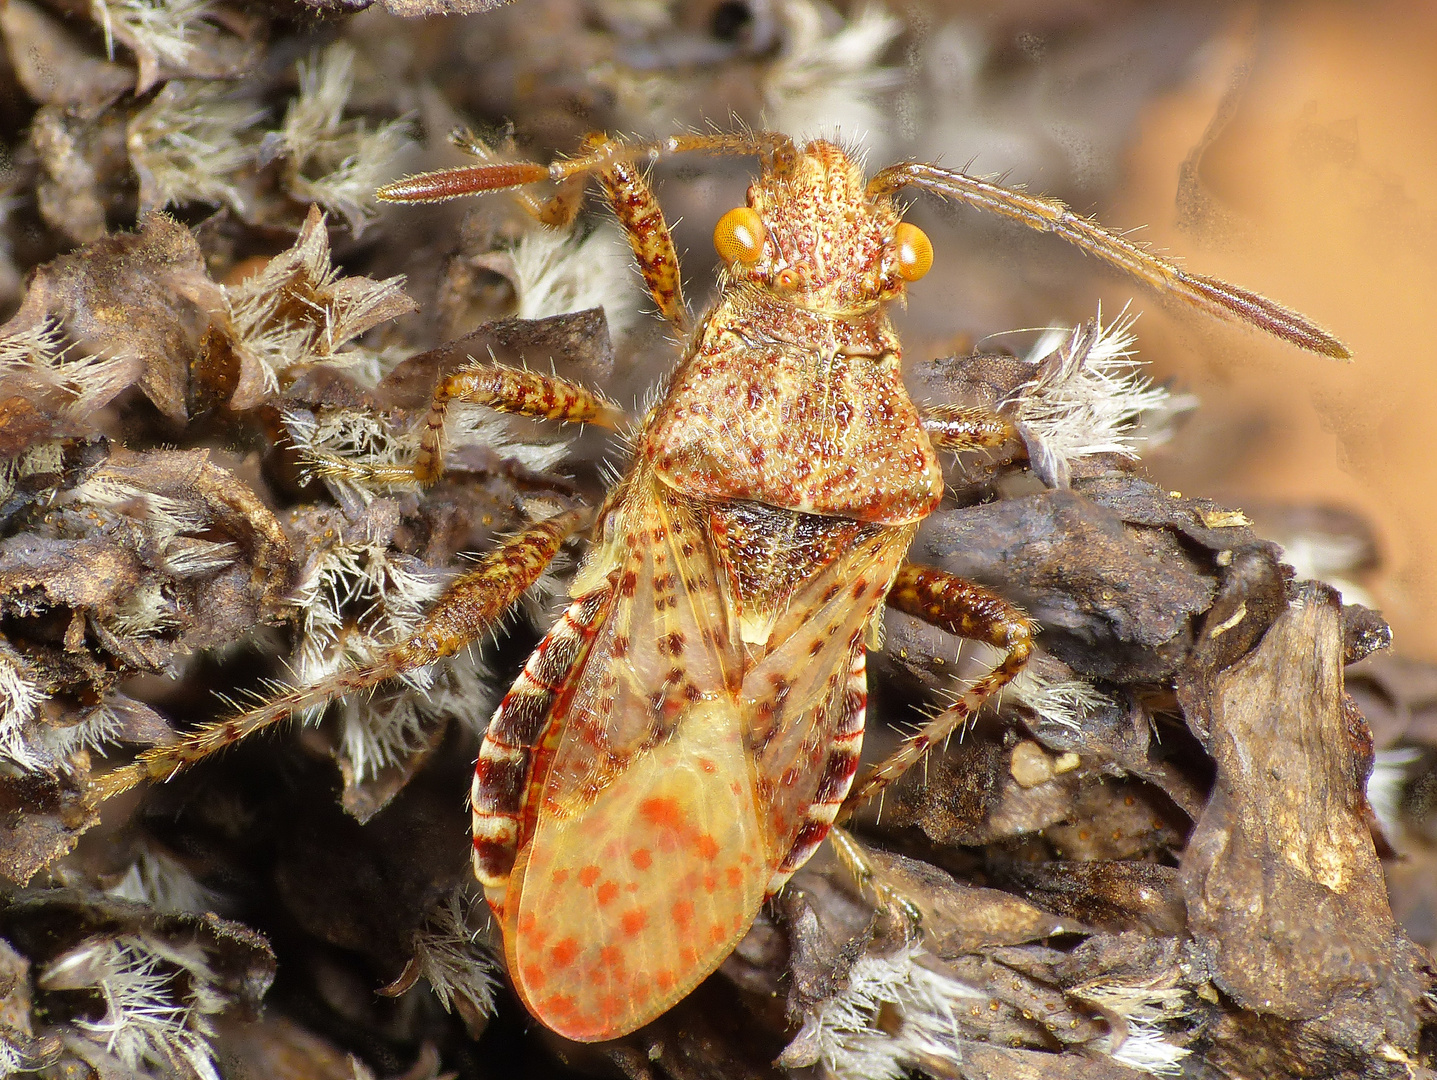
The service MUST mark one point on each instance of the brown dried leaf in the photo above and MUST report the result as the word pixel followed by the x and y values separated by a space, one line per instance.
pixel 78 159
pixel 1111 895
pixel 145 295
pixel 225 502
pixel 1280 876
pixel 89 576
pixel 1115 599
pixel 298 311
pixel 277 1048
pixel 202 43
pixel 53 67
pixel 959 918
pixel 41 819
pixel 983 1062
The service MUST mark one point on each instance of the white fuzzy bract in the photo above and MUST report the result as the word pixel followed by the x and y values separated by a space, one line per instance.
pixel 1142 1009
pixel 451 959
pixel 391 594
pixel 161 881
pixel 39 356
pixel 20 701
pixel 145 1022
pixel 189 142
pixel 915 987
pixel 338 163
pixel 828 75
pixel 556 272
pixel 1086 398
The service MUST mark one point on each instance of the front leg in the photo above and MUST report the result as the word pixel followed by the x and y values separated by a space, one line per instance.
pixel 504 389
pixel 969 611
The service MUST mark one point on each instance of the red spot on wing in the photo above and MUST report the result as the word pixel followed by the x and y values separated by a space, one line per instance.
pixel 559 1004
pixel 564 952
pixel 642 858
pixel 664 980
pixel 665 811
pixel 706 846
pixel 560 876
pixel 683 913
pixel 588 875
pixel 633 920
pixel 734 876
pixel 607 893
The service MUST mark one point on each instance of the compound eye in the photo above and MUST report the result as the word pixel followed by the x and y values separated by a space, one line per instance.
pixel 739 234
pixel 915 251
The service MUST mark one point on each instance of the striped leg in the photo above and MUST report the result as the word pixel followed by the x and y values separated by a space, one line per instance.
pixel 501 776
pixel 504 389
pixel 969 611
pixel 615 163
pixel 468 609
pixel 839 768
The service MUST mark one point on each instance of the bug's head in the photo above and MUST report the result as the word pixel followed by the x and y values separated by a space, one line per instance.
pixel 812 234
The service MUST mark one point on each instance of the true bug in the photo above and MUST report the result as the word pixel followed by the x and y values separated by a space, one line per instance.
pixel 685 736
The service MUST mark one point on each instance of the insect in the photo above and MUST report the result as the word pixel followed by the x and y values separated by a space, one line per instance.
pixel 687 733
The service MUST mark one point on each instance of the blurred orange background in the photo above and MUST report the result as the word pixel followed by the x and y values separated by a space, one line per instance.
pixel 1322 193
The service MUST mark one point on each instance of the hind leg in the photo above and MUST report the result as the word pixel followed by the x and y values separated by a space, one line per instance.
pixel 965 610
pixel 467 610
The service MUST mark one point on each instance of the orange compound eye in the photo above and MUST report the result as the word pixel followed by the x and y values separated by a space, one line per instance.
pixel 915 251
pixel 739 234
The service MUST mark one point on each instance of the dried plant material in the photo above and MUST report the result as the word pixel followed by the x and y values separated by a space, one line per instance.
pixel 144 296
pixel 41 818
pixel 36 365
pixel 450 957
pixel 1107 894
pixel 188 144
pixel 854 1035
pixel 264 526
pixel 330 161
pixel 53 67
pixel 413 9
pixel 155 981
pixel 162 882
pixel 828 76
pixel 299 311
pixel 353 567
pixel 1116 600
pixel 1280 876
pixel 558 272
pixel 76 158
pixel 278 1048
pixel 1085 399
pixel 177 38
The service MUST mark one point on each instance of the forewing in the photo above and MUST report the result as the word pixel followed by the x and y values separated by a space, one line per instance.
pixel 795 694
pixel 644 857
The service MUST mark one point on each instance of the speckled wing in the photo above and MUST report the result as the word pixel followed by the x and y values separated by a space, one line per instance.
pixel 805 589
pixel 644 854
